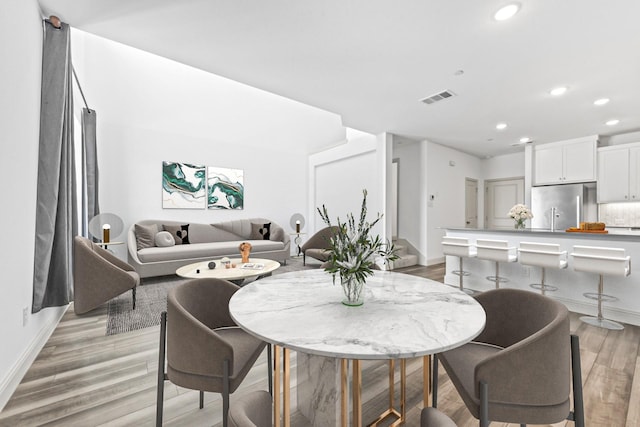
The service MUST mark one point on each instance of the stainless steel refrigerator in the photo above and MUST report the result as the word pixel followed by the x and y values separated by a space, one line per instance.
pixel 558 207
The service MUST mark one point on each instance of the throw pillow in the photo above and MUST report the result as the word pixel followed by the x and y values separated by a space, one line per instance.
pixel 277 233
pixel 180 233
pixel 164 239
pixel 145 235
pixel 260 231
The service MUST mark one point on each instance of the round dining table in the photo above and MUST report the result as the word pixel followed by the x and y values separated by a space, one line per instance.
pixel 403 316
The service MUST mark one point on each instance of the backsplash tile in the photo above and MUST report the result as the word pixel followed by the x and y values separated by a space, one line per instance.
pixel 620 214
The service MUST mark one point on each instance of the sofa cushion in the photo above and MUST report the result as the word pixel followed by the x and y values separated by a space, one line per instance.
pixel 145 235
pixel 180 233
pixel 205 250
pixel 260 231
pixel 164 239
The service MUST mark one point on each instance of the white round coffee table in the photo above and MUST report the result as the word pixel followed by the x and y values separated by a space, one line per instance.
pixel 255 267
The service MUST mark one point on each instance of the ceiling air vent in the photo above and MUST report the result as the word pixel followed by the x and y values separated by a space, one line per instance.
pixel 438 97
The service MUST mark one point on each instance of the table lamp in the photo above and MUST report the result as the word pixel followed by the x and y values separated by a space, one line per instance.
pixel 297 222
pixel 106 229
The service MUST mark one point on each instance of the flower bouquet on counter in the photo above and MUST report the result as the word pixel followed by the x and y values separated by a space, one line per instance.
pixel 520 213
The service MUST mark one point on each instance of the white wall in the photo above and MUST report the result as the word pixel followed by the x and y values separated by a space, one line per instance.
pixel 152 109
pixel 447 184
pixel 338 176
pixel 20 81
pixel 505 166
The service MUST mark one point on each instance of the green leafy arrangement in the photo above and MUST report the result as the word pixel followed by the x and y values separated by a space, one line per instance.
pixel 354 251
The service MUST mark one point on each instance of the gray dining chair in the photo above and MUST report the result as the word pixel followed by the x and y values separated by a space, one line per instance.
pixel 205 349
pixel 518 369
pixel 252 410
pixel 431 417
pixel 98 276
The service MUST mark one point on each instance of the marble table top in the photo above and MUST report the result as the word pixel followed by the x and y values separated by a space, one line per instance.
pixel 402 316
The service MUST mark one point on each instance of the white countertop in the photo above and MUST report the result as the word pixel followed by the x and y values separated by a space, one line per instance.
pixel 402 316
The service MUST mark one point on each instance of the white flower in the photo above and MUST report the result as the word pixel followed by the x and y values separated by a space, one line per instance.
pixel 520 212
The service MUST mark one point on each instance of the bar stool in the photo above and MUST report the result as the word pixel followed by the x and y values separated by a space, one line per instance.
pixel 544 255
pixel 599 260
pixel 461 248
pixel 497 251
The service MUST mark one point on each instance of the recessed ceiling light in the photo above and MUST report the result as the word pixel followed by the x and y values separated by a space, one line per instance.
pixel 458 72
pixel 507 12
pixel 525 139
pixel 557 91
pixel 601 101
pixel 501 126
pixel 612 122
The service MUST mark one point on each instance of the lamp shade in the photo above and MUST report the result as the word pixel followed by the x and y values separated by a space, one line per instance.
pixel 297 222
pixel 97 223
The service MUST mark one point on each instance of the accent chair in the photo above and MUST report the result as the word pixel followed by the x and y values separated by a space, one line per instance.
pixel 318 244
pixel 98 276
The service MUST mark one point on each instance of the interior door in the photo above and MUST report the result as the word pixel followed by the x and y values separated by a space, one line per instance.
pixel 471 203
pixel 500 196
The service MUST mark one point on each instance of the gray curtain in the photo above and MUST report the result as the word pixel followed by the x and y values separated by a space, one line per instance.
pixel 90 206
pixel 56 222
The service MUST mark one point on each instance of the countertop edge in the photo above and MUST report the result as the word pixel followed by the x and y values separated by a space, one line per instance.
pixel 556 234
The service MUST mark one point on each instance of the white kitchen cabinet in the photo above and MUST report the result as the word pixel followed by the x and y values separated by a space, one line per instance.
pixel 619 174
pixel 565 162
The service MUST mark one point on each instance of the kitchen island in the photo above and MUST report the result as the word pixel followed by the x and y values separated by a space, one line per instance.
pixel 571 284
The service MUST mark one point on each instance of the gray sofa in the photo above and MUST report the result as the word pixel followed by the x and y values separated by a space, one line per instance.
pixel 206 242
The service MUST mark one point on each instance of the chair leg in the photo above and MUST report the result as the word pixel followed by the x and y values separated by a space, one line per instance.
pixel 225 393
pixel 162 376
pixel 576 375
pixel 484 404
pixel 201 399
pixel 434 394
pixel 304 259
pixel 270 369
pixel 133 293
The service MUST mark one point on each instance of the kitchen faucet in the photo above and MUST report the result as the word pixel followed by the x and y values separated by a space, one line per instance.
pixel 554 215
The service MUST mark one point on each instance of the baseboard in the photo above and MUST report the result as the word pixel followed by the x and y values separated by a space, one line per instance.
pixel 14 375
pixel 591 309
pixel 434 261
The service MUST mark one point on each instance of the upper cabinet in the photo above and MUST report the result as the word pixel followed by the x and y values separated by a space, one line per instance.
pixel 565 162
pixel 619 173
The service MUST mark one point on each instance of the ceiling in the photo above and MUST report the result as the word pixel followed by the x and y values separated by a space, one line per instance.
pixel 372 61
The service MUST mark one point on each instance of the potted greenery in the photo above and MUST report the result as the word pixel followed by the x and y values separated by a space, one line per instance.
pixel 353 252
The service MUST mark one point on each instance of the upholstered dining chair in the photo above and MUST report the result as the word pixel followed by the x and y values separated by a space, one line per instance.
pixel 252 410
pixel 431 417
pixel 98 276
pixel 205 349
pixel 317 245
pixel 518 369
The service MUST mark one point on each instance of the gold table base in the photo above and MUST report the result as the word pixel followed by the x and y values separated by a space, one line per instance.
pixel 356 384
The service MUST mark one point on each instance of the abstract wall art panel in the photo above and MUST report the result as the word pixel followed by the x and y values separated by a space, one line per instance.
pixel 225 188
pixel 183 186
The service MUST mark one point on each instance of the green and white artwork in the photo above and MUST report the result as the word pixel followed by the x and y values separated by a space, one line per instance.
pixel 225 188
pixel 183 186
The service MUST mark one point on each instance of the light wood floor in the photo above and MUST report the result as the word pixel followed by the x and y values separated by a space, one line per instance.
pixel 84 378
